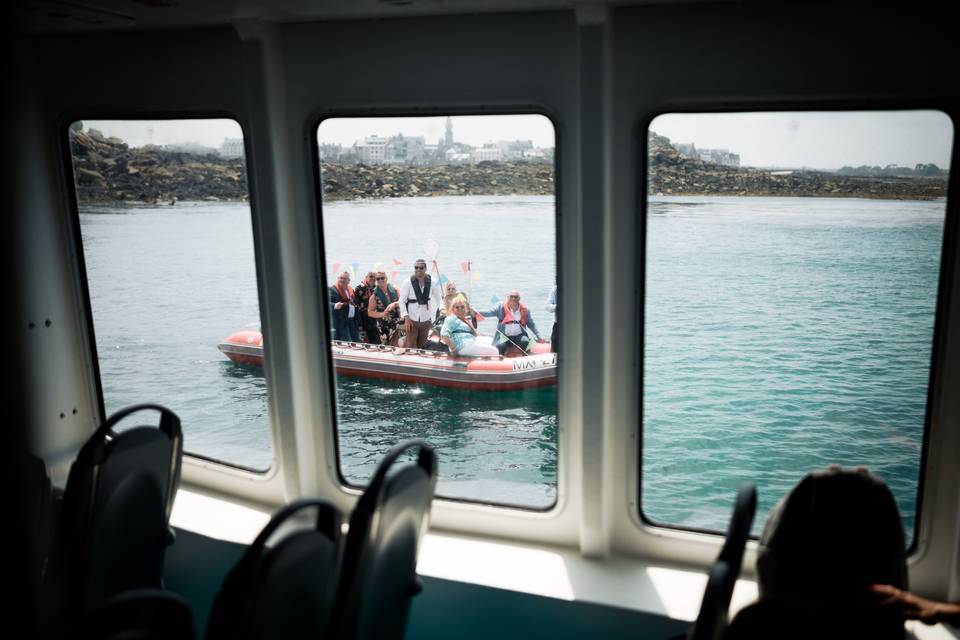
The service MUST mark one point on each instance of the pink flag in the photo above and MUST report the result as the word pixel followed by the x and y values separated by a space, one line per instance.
pixel 336 265
pixel 397 262
pixel 465 266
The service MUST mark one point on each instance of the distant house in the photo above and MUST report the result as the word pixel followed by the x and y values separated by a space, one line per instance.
pixel 373 149
pixel 712 156
pixel 488 152
pixel 455 157
pixel 687 150
pixel 232 148
pixel 514 149
pixel 402 149
pixel 331 152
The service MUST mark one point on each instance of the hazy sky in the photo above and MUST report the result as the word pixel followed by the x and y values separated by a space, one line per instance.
pixel 824 140
pixel 473 130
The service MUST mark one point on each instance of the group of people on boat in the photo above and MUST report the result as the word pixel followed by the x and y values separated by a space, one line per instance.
pixel 423 318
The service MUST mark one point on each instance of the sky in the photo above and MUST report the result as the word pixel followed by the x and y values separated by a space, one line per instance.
pixel 820 140
pixel 473 130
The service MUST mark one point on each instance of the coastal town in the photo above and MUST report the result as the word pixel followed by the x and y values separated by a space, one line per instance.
pixel 108 170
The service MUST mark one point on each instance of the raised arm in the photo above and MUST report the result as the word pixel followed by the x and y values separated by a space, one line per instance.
pixel 491 312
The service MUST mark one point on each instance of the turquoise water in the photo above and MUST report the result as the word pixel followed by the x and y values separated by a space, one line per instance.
pixel 784 335
pixel 168 283
pixel 780 335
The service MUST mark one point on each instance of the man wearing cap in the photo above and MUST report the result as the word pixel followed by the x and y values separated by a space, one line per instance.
pixel 419 301
pixel 513 322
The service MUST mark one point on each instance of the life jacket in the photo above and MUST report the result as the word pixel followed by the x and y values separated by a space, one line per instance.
pixel 423 295
pixel 385 298
pixel 344 298
pixel 509 318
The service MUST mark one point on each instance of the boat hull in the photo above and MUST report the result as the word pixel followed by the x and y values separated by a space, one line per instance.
pixel 487 373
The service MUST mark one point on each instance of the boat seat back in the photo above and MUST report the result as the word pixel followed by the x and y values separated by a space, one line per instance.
pixel 286 589
pixel 379 569
pixel 37 498
pixel 141 614
pixel 713 617
pixel 114 521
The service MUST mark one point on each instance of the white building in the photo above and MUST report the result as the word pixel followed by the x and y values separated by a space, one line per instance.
pixel 232 148
pixel 402 149
pixel 488 152
pixel 373 150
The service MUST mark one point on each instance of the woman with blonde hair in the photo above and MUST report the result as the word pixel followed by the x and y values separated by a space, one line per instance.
pixel 458 332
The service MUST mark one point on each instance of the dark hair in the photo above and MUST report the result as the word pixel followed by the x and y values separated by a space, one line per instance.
pixel 837 532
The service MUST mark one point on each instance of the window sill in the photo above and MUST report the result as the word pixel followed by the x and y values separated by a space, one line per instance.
pixel 538 570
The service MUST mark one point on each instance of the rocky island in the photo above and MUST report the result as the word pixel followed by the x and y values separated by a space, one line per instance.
pixel 671 173
pixel 107 170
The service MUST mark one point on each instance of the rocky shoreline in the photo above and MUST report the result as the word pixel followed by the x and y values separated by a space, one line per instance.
pixel 354 182
pixel 109 171
pixel 673 174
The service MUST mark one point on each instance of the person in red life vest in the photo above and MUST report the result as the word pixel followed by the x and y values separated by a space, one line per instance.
pixel 346 319
pixel 419 300
pixel 515 323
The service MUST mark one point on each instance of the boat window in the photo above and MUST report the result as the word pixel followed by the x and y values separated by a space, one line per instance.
pixel 168 251
pixel 432 225
pixel 792 264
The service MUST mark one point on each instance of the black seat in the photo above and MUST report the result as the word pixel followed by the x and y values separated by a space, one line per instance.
pixel 712 620
pixel 285 590
pixel 37 498
pixel 379 568
pixel 140 614
pixel 114 521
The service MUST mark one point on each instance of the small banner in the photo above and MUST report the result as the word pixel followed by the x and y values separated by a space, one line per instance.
pixel 336 265
pixel 465 266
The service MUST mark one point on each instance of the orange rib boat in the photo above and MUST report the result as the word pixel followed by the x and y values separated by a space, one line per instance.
pixel 482 373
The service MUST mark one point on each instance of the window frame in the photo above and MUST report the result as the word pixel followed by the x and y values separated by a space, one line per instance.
pixel 948 247
pixel 72 207
pixel 315 122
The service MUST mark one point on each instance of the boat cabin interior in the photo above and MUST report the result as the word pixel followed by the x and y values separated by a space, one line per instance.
pixel 595 545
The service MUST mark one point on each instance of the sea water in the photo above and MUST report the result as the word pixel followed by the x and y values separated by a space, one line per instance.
pixel 780 335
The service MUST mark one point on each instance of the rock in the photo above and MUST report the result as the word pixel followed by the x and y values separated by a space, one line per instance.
pixel 671 173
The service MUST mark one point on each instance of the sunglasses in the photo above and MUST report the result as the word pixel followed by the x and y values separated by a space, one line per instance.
pixel 419 268
pixel 514 297
pixel 382 278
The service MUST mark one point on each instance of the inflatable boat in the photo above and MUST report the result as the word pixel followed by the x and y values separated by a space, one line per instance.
pixel 486 373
